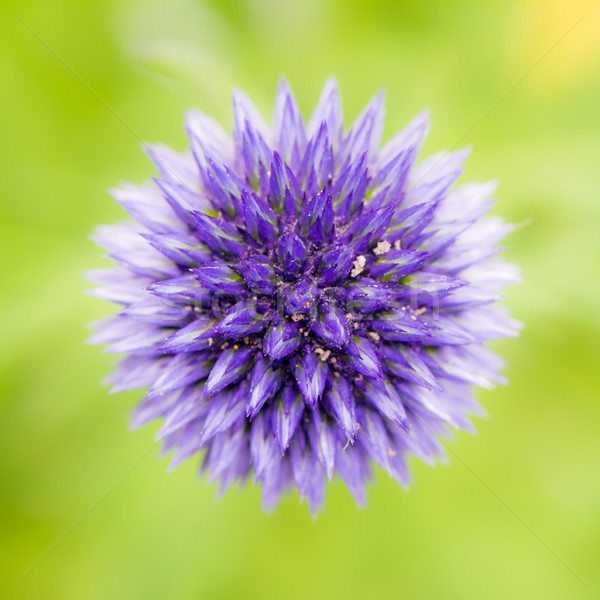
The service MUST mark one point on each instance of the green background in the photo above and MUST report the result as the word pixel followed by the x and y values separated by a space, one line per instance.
pixel 464 530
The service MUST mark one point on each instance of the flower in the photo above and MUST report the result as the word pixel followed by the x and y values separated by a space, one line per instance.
pixel 302 303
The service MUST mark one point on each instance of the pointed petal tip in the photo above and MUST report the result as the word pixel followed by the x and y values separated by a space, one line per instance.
pixel 330 87
pixel 237 93
pixel 283 85
pixel 380 96
pixel 424 117
pixel 462 154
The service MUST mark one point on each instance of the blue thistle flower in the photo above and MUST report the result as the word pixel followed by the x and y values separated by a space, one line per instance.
pixel 300 302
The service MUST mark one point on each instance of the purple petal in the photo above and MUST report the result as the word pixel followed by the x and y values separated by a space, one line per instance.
pixel 328 111
pixel 136 372
pixel 365 134
pixel 373 437
pixel 311 374
pixel 241 320
pixel 371 227
pixel 316 220
pixel 353 467
pixel 285 193
pixel 263 446
pixel 226 453
pixel 396 264
pixel 424 282
pixel 179 168
pixel 276 479
pixel 232 365
pixel 155 311
pixel 192 337
pixel 147 263
pixel 407 363
pixel 153 407
pixel 185 289
pixel 208 135
pixel 266 381
pixel 442 329
pixel 292 253
pixel 330 325
pixel 285 418
pixel 223 187
pixel 218 277
pixel 322 439
pixel 259 275
pixel 244 112
pixel 317 162
pixel 335 264
pixel 411 136
pixel 349 189
pixel 146 205
pixel 386 401
pixel 400 326
pixel 136 338
pixel 282 339
pixel 299 298
pixel 218 235
pixel 368 295
pixel 342 407
pixel 182 200
pixel 227 408
pixel 261 221
pixel 182 370
pixel 360 355
pixel 181 248
pixel 288 127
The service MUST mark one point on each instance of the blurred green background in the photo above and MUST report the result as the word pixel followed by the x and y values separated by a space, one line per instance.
pixel 63 439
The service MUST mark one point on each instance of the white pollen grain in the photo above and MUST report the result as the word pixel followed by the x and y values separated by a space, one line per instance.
pixel 359 265
pixel 382 248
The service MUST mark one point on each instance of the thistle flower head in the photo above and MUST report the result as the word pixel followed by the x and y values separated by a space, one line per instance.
pixel 301 302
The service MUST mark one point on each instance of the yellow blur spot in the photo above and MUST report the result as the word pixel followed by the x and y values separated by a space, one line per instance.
pixel 574 58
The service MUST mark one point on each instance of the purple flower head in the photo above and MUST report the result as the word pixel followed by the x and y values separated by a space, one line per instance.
pixel 300 302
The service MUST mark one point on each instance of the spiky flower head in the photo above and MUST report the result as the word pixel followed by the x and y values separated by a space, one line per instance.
pixel 302 303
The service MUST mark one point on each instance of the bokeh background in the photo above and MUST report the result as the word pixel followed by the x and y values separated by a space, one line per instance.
pixel 465 529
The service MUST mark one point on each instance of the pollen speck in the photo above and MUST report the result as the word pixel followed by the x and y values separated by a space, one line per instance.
pixel 359 265
pixel 382 248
